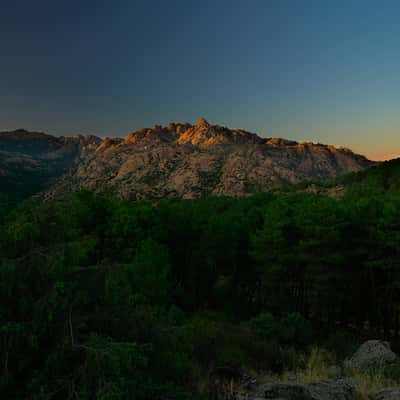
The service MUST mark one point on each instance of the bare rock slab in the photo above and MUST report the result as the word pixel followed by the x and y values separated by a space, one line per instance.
pixel 371 354
pixel 386 394
pixel 331 390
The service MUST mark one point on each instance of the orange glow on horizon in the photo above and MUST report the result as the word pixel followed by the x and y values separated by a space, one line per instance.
pixel 386 157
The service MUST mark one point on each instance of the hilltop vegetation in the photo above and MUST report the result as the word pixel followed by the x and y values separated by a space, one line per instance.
pixel 108 299
pixel 378 179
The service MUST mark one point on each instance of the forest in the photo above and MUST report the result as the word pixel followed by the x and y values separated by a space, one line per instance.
pixel 102 298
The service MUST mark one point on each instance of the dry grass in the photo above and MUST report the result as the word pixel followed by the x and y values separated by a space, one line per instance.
pixel 318 366
pixel 371 381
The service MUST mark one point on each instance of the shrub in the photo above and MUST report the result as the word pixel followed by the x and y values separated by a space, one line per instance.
pixel 264 325
pixel 295 329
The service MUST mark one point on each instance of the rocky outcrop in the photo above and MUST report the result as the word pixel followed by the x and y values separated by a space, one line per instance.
pixel 371 354
pixel 386 394
pixel 330 390
pixel 190 161
pixel 179 160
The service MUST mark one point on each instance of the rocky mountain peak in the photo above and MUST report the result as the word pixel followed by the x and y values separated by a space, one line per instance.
pixel 188 161
pixel 202 123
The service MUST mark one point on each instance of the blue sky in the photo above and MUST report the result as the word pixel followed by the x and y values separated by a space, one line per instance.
pixel 324 71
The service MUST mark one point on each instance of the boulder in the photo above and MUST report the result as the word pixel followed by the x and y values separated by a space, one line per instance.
pixel 341 389
pixel 371 354
pixel 330 390
pixel 386 394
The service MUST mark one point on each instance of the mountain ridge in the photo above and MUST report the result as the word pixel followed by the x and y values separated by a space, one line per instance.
pixel 177 160
pixel 189 161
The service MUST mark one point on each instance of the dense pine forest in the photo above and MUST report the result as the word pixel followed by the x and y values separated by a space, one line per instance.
pixel 102 298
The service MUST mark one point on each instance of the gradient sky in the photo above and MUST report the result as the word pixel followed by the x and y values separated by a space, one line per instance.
pixel 323 71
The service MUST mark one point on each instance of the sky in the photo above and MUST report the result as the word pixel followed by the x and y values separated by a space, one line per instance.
pixel 321 71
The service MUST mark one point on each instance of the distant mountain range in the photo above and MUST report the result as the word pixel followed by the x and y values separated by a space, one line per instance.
pixel 179 160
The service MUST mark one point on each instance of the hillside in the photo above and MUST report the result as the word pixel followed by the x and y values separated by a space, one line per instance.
pixel 192 161
pixel 31 161
pixel 382 177
pixel 377 179
pixel 176 161
pixel 103 298
pixel 100 293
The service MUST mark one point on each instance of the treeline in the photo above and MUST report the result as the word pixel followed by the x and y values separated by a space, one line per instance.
pixel 106 299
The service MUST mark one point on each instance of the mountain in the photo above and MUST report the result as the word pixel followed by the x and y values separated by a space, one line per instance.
pixel 31 161
pixel 189 161
pixel 178 160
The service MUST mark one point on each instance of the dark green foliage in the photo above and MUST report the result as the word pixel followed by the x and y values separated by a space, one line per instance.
pixel 291 329
pixel 106 299
pixel 265 325
pixel 375 180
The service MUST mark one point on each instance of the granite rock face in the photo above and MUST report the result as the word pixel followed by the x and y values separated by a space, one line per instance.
pixel 371 354
pixel 191 161
pixel 179 160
